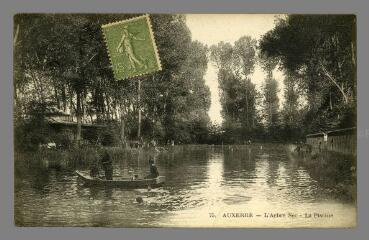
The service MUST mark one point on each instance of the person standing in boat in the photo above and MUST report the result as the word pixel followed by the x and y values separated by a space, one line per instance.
pixel 94 166
pixel 154 173
pixel 107 165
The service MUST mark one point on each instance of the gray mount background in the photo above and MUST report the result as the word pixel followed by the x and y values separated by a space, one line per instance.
pixel 11 7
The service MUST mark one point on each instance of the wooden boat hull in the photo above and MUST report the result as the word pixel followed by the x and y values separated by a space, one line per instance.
pixel 121 183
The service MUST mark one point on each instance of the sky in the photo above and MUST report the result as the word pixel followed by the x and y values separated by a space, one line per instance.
pixel 213 28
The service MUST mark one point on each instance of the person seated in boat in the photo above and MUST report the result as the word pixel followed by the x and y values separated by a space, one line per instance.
pixel 154 173
pixel 107 165
pixel 94 170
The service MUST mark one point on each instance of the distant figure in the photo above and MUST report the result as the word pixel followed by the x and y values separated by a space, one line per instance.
pixel 303 149
pixel 94 171
pixel 153 143
pixel 261 147
pixel 140 142
pixel 134 176
pixel 249 142
pixel 139 199
pixel 154 173
pixel 107 165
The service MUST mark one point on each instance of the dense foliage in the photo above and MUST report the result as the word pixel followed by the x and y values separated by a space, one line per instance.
pixel 318 52
pixel 60 62
pixel 238 94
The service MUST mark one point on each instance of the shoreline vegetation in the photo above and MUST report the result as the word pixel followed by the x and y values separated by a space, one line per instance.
pixel 324 166
pixel 84 156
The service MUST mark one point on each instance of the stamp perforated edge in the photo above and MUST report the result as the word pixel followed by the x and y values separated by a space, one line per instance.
pixel 153 42
pixel 152 36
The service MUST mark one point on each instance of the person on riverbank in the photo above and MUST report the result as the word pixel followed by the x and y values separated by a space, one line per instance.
pixel 107 165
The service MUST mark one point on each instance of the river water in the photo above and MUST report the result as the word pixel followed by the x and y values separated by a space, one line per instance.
pixel 207 186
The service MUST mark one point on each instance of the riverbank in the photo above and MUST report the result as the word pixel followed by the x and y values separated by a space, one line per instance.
pixel 325 167
pixel 70 159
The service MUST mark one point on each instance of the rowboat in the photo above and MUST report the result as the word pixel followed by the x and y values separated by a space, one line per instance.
pixel 121 182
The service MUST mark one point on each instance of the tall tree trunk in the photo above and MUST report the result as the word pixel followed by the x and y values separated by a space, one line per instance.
pixel 108 109
pixel 79 119
pixel 139 109
pixel 122 130
pixel 331 78
pixel 56 97
pixel 95 98
pixel 247 108
pixel 71 108
pixel 64 99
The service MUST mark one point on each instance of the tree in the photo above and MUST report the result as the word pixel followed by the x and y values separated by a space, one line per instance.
pixel 244 59
pixel 61 60
pixel 177 96
pixel 270 103
pixel 237 93
pixel 292 112
pixel 321 51
pixel 270 92
pixel 291 104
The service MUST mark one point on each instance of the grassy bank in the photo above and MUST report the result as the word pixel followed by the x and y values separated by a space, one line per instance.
pixel 336 171
pixel 71 159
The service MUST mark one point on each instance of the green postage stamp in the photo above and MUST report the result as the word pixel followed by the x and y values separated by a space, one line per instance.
pixel 131 47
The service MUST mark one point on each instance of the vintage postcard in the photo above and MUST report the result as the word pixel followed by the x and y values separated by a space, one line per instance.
pixel 185 120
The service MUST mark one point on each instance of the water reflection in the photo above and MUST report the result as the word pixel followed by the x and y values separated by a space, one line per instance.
pixel 212 188
pixel 200 180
